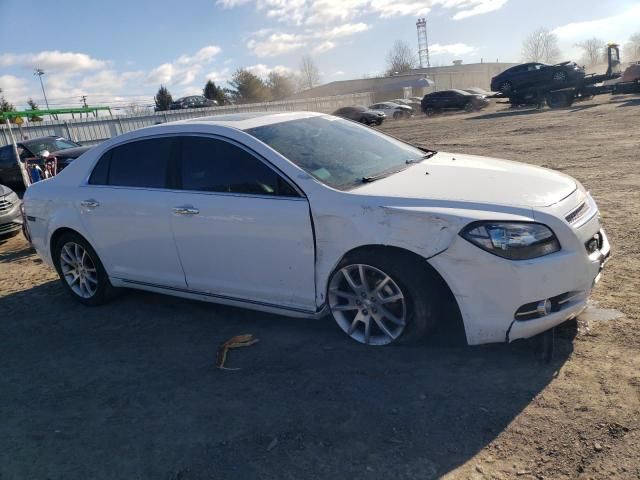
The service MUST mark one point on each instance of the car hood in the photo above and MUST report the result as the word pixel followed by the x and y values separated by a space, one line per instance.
pixel 5 191
pixel 475 179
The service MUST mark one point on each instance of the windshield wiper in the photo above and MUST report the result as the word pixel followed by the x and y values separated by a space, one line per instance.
pixel 428 154
pixel 378 176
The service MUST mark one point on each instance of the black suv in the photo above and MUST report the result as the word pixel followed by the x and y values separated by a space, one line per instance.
pixel 452 100
pixel 535 74
pixel 194 101
pixel 9 170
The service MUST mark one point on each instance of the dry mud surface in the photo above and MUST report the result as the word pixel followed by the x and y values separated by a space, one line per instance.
pixel 129 390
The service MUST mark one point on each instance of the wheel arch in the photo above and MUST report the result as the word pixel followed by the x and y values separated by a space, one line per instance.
pixel 55 236
pixel 449 307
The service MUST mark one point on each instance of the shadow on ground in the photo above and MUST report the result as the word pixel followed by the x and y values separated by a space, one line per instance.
pixel 507 113
pixel 129 390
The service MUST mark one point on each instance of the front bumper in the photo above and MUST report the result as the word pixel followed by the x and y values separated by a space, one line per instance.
pixel 10 221
pixel 490 290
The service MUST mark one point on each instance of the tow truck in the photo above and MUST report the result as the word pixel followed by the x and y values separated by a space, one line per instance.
pixel 581 89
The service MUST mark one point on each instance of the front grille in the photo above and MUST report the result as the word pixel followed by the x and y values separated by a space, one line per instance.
pixel 578 213
pixel 5 205
pixel 9 227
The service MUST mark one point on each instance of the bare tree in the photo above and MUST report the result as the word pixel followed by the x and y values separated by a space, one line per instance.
pixel 401 58
pixel 632 48
pixel 541 46
pixel 593 51
pixel 309 73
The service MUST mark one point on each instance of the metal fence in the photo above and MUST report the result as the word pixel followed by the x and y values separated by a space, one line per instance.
pixel 91 131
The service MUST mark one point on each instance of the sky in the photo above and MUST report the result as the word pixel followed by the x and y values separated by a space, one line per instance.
pixel 118 52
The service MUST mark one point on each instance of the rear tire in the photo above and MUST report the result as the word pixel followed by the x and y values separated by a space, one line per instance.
pixel 81 271
pixel 560 99
pixel 394 303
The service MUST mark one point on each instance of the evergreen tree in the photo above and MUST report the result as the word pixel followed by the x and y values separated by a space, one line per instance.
pixel 33 107
pixel 163 99
pixel 248 88
pixel 213 92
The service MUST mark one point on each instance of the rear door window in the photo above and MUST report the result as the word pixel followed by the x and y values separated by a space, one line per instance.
pixel 143 163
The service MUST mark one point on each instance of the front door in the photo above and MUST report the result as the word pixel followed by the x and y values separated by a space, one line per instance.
pixel 242 231
pixel 126 211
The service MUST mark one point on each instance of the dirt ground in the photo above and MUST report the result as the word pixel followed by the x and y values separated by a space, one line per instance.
pixel 129 390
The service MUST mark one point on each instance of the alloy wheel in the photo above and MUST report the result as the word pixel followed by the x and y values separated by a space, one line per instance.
pixel 78 270
pixel 367 304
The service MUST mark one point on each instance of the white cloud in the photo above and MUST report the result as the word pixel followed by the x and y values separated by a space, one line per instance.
pixel 338 73
pixel 12 87
pixel 276 44
pixel 324 47
pixel 323 12
pixel 618 27
pixel 343 30
pixel 391 8
pixel 261 70
pixel 231 3
pixel 478 7
pixel 452 49
pixel 219 75
pixel 185 69
pixel 52 60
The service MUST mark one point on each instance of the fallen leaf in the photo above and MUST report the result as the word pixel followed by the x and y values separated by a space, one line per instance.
pixel 234 342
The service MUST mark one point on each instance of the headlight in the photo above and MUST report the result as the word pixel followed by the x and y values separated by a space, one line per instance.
pixel 512 240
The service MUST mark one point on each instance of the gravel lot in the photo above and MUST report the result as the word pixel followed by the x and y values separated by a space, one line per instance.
pixel 130 391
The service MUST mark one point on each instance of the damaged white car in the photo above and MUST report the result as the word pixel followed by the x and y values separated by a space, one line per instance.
pixel 304 214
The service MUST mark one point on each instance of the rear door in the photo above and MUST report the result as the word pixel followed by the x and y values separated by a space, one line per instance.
pixel 242 230
pixel 126 208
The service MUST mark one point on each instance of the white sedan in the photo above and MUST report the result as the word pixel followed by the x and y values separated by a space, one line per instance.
pixel 305 214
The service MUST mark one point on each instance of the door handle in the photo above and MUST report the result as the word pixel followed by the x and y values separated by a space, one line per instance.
pixel 91 203
pixel 186 210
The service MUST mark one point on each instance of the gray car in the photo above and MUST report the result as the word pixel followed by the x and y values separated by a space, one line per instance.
pixel 10 215
pixel 392 110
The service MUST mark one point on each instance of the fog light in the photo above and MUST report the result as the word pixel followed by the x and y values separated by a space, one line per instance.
pixel 544 307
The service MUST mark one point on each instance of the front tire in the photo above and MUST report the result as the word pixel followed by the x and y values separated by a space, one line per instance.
pixel 505 88
pixel 381 299
pixel 397 115
pixel 81 271
pixel 468 107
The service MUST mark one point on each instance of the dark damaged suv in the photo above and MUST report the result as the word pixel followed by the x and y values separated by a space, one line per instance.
pixel 535 74
pixel 64 150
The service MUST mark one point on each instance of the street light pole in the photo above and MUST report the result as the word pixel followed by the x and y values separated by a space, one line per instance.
pixel 39 72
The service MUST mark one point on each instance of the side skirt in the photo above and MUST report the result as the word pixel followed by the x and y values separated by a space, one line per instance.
pixel 220 299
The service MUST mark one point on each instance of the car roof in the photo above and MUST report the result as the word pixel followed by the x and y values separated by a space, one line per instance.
pixel 246 120
pixel 40 139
